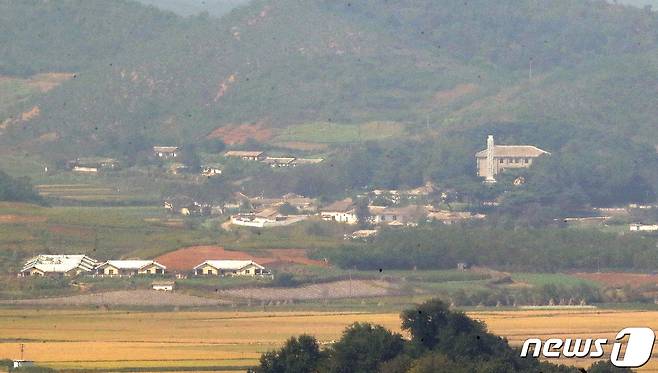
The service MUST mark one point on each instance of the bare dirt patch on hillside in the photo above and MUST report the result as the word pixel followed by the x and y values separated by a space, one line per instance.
pixel 450 95
pixel 47 81
pixel 21 219
pixel 619 279
pixel 123 298
pixel 187 258
pixel 329 290
pixel 238 134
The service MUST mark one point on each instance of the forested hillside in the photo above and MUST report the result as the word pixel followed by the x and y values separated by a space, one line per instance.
pixel 152 77
pixel 71 35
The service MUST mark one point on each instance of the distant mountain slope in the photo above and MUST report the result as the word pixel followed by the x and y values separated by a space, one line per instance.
pixel 617 94
pixel 278 63
pixel 69 35
pixel 215 8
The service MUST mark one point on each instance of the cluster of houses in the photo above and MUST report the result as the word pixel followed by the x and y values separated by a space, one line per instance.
pixel 74 265
pixel 274 162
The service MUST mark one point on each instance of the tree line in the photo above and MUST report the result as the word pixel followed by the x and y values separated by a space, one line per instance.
pixel 520 250
pixel 442 340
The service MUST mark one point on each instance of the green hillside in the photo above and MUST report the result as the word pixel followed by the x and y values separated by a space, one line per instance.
pixel 423 64
pixel 70 35
pixel 193 7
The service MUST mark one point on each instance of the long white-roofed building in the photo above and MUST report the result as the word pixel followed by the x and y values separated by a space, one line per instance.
pixel 122 268
pixel 64 265
pixel 230 268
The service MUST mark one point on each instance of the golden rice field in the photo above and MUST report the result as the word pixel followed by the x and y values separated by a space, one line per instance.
pixel 234 340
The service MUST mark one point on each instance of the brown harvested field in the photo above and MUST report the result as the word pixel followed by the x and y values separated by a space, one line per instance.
pixel 238 134
pixel 121 339
pixel 329 290
pixel 130 298
pixel 619 279
pixel 187 258
pixel 21 219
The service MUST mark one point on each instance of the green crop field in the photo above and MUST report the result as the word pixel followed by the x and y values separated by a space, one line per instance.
pixel 337 133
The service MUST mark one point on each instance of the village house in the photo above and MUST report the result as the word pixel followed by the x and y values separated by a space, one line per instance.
pixel 340 211
pixel 187 206
pixel 128 268
pixel 407 215
pixel 300 202
pixel 93 165
pixel 277 162
pixel 211 170
pixel 451 217
pixel 63 265
pixel 176 168
pixel 246 155
pixel 166 152
pixel 498 158
pixel 230 268
pixel 266 218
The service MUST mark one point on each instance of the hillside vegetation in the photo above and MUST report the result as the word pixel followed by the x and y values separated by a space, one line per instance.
pixel 147 76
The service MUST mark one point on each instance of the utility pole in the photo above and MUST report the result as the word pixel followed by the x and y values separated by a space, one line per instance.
pixel 530 70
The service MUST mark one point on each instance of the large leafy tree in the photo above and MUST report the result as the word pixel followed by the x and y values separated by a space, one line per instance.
pixel 298 355
pixel 363 347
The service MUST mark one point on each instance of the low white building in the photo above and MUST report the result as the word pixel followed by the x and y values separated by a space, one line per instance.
pixel 644 227
pixel 230 268
pixel 22 363
pixel 166 152
pixel 341 211
pixel 64 265
pixel 163 285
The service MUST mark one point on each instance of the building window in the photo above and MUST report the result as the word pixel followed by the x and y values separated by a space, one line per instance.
pixel 502 161
pixel 527 160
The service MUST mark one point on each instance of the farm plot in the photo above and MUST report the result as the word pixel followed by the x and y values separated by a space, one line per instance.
pixel 337 133
pixel 87 339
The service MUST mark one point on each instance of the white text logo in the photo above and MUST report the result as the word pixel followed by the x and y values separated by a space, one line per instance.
pixel 638 347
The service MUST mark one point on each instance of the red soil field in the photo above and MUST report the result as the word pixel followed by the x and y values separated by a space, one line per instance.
pixel 232 135
pixel 618 279
pixel 187 258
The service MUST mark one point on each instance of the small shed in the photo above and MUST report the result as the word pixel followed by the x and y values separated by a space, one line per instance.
pixel 163 285
pixel 23 363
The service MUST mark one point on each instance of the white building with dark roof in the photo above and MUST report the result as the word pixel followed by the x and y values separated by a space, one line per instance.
pixel 497 158
pixel 65 265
